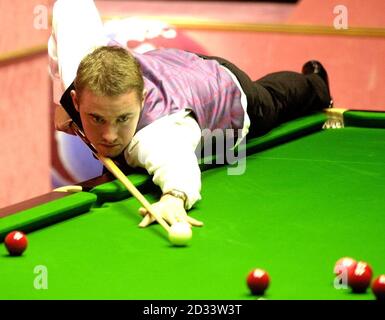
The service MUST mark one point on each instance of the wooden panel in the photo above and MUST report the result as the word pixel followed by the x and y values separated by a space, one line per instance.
pixel 24 106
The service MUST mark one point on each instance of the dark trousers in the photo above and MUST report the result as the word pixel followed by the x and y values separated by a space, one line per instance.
pixel 279 97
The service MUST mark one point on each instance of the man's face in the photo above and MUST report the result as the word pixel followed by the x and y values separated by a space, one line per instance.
pixel 109 122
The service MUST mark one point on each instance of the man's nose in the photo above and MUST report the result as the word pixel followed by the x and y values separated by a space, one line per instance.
pixel 110 134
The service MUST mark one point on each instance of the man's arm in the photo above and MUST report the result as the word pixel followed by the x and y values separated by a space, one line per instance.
pixel 166 149
pixel 76 30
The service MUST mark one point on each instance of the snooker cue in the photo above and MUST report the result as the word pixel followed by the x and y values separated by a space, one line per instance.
pixel 114 169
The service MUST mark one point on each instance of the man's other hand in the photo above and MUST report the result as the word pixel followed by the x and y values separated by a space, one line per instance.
pixel 171 209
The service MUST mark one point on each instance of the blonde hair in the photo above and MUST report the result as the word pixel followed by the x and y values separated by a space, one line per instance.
pixel 109 71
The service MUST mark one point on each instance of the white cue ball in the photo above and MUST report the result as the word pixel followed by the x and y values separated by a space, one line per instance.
pixel 180 234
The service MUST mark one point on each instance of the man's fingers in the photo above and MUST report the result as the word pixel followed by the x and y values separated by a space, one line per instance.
pixel 171 219
pixel 142 211
pixel 194 222
pixel 147 220
pixel 188 219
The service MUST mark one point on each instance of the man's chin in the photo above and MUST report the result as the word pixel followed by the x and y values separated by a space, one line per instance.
pixel 112 153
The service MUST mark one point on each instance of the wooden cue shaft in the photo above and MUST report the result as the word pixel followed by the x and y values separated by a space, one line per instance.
pixel 114 169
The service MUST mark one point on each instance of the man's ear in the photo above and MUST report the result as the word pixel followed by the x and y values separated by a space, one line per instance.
pixel 75 100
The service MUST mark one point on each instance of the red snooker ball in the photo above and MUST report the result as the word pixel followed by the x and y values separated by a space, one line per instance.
pixel 378 287
pixel 16 242
pixel 258 280
pixel 343 265
pixel 359 278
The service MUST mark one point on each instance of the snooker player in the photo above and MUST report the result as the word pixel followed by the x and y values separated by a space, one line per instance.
pixel 152 108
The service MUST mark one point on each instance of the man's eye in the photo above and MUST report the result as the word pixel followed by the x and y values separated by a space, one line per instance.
pixel 97 119
pixel 123 119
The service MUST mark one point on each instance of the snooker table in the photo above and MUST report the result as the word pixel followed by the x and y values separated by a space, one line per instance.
pixel 308 197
